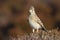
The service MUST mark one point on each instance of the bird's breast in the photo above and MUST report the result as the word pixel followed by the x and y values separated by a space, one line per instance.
pixel 34 24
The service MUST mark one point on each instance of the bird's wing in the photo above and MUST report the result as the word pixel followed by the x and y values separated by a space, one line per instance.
pixel 41 24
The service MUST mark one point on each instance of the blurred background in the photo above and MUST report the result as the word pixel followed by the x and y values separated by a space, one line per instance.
pixel 14 15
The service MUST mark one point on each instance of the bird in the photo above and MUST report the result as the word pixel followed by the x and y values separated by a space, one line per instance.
pixel 34 21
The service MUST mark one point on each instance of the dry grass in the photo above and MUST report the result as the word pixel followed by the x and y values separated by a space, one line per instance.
pixel 52 35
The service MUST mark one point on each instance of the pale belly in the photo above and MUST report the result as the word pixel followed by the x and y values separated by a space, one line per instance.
pixel 34 24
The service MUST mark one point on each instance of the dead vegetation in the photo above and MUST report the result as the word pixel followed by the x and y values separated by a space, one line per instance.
pixel 51 35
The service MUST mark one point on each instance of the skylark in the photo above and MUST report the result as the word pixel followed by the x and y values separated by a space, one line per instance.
pixel 34 20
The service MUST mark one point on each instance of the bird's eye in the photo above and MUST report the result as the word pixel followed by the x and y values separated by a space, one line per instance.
pixel 29 13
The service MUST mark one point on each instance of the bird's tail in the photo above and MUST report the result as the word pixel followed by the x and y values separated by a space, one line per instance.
pixel 43 28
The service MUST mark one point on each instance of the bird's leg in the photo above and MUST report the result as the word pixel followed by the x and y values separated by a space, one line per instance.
pixel 33 30
pixel 37 30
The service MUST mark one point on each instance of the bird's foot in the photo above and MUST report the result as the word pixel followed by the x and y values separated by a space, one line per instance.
pixel 35 31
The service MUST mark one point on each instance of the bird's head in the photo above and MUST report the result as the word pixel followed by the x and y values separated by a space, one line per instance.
pixel 32 10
